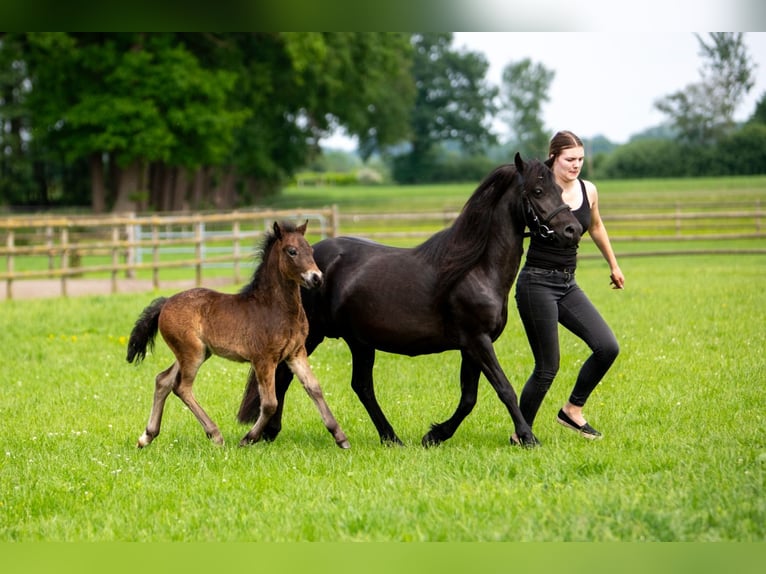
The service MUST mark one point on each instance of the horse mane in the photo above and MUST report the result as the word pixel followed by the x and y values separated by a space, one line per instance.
pixel 458 248
pixel 262 253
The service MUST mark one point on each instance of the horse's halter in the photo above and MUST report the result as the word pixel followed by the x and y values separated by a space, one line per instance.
pixel 537 224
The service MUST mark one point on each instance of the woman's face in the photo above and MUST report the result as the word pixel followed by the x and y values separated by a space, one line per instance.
pixel 568 164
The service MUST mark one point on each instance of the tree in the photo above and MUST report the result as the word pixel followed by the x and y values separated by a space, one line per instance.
pixel 759 115
pixel 16 167
pixel 187 120
pixel 703 112
pixel 524 90
pixel 302 85
pixel 453 103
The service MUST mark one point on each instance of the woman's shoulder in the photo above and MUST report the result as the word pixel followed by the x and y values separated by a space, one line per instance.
pixel 590 187
pixel 590 191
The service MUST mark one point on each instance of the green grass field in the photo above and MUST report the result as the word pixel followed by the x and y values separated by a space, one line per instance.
pixel 682 410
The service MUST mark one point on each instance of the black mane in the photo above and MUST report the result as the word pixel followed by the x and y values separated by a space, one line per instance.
pixel 262 253
pixel 459 247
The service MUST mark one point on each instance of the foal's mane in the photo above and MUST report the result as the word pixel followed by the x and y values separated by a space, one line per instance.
pixel 458 248
pixel 267 243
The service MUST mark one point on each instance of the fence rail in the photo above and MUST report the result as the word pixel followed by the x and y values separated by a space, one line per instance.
pixel 65 248
pixel 70 247
pixel 675 224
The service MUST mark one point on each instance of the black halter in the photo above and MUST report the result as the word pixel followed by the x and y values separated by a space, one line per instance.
pixel 537 225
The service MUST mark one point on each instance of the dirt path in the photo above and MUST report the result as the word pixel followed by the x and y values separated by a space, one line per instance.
pixel 45 288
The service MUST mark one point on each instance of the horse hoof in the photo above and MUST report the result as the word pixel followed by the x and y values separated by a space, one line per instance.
pixel 430 441
pixel 525 442
pixel 344 444
pixel 391 441
pixel 143 441
pixel 248 441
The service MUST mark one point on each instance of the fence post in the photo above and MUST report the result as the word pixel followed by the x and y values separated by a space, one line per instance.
pixel 115 256
pixel 155 254
pixel 64 259
pixel 49 245
pixel 199 227
pixel 678 219
pixel 9 243
pixel 758 216
pixel 130 253
pixel 236 233
pixel 335 227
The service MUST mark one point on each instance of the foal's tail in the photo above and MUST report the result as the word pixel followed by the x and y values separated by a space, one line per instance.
pixel 144 331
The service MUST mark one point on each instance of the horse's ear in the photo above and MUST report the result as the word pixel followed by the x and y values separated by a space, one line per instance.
pixel 302 228
pixel 277 230
pixel 519 162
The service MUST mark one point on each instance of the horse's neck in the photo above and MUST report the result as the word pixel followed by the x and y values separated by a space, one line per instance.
pixel 278 290
pixel 504 251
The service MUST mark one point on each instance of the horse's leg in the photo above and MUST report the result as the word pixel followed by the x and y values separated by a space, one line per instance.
pixel 264 375
pixel 163 385
pixel 362 361
pixel 251 404
pixel 184 392
pixel 469 386
pixel 299 365
pixel 483 353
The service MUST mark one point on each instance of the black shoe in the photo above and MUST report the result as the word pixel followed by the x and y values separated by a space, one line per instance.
pixel 585 430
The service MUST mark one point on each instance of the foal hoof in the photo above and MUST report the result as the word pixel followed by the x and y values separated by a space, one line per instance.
pixel 144 440
pixel 344 444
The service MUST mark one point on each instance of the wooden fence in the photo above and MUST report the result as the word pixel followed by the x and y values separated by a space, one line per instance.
pixel 127 246
pixel 69 247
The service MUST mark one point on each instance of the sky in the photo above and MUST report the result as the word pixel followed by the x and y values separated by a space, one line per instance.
pixel 604 83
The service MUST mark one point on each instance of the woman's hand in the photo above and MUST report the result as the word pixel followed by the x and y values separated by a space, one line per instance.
pixel 617 279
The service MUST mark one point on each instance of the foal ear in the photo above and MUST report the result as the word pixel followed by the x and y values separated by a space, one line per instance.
pixel 277 230
pixel 302 228
pixel 519 162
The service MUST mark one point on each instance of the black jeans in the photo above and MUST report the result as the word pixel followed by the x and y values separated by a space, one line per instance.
pixel 544 299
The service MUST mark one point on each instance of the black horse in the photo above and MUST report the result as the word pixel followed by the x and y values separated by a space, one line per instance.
pixel 449 293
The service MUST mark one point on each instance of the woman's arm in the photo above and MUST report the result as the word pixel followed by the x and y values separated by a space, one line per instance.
pixel 600 236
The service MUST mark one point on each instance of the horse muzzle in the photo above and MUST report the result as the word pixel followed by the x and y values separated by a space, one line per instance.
pixel 312 279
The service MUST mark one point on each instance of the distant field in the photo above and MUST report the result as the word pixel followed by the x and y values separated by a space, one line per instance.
pixel 636 194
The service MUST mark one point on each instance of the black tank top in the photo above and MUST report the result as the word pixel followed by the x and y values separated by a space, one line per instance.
pixel 548 253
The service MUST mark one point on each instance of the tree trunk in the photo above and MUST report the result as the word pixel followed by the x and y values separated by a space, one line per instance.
pixel 180 188
pixel 225 192
pixel 128 183
pixel 97 187
pixel 165 188
pixel 198 188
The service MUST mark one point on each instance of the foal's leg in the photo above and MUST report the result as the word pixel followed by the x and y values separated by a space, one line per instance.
pixel 469 387
pixel 264 374
pixel 163 384
pixel 188 372
pixel 283 378
pixel 299 365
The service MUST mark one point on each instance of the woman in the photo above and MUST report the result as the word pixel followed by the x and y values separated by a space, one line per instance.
pixel 547 294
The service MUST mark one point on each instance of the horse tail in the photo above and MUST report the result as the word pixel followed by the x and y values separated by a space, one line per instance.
pixel 144 331
pixel 250 407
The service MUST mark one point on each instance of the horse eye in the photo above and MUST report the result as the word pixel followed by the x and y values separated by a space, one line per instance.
pixel 538 191
pixel 292 251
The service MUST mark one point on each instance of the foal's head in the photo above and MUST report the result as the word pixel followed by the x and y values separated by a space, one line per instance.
pixel 296 256
pixel 288 254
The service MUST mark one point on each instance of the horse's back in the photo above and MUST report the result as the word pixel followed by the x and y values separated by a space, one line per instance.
pixel 376 294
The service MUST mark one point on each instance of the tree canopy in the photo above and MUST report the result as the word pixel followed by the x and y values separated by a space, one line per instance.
pixel 189 120
pixel 703 112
